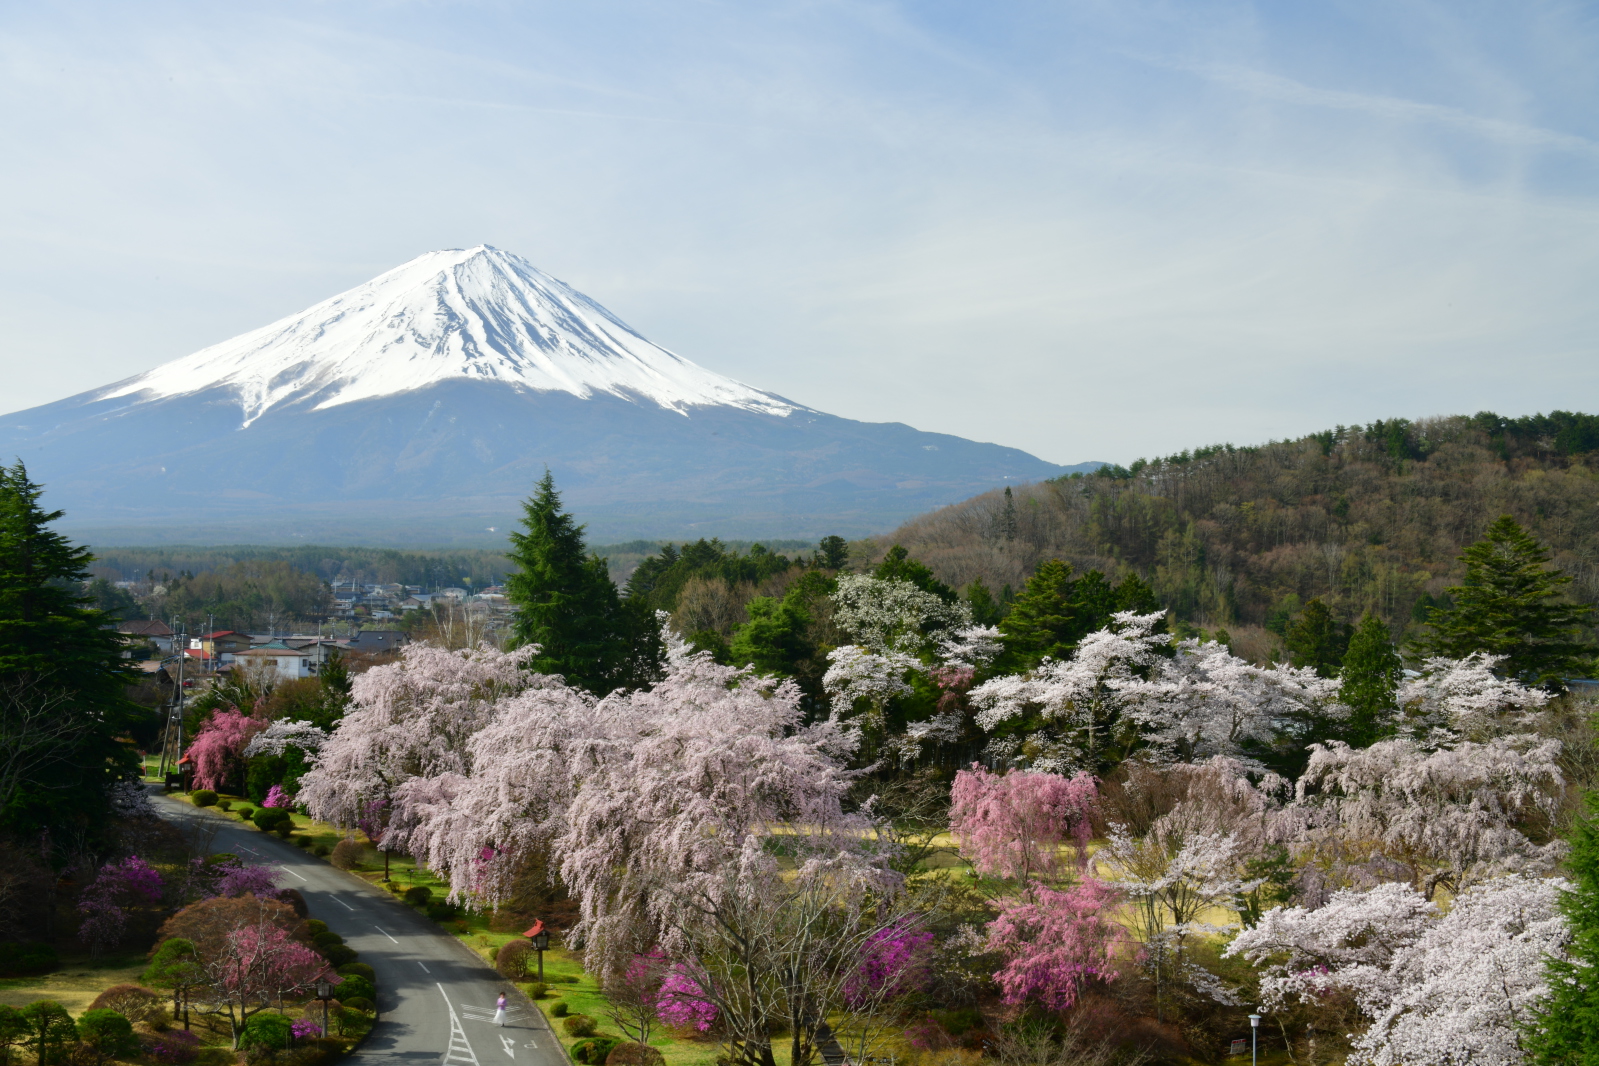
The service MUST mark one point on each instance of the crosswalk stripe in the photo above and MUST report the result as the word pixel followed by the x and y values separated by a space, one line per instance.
pixel 460 1049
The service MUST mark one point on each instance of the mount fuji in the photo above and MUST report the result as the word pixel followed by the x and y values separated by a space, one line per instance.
pixel 420 407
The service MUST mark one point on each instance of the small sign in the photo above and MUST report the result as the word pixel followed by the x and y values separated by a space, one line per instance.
pixel 1239 1047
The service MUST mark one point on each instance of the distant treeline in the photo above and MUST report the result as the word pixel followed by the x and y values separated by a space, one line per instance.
pixel 369 566
pixel 1364 517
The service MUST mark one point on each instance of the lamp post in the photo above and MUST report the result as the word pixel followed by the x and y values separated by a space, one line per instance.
pixel 539 938
pixel 1254 1039
pixel 324 992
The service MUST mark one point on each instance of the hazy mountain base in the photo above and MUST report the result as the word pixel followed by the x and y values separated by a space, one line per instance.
pixel 1241 537
pixel 442 465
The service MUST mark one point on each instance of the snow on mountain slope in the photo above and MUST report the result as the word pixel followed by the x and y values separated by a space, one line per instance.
pixel 478 314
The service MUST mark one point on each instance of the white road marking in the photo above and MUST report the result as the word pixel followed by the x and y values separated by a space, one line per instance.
pixel 385 932
pixel 286 870
pixel 424 966
pixel 460 1049
pixel 507 1044
pixel 343 904
pixel 534 1044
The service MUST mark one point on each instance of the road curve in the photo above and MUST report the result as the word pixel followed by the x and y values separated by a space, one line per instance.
pixel 435 995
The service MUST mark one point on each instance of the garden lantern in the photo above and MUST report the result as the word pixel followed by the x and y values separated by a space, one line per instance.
pixel 539 938
pixel 324 992
pixel 1254 1039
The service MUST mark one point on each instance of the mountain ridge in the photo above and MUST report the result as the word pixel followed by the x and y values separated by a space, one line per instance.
pixel 425 403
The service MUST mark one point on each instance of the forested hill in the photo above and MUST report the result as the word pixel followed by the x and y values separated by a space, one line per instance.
pixel 1367 518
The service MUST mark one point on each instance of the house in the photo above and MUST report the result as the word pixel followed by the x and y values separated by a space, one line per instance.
pixel 277 657
pixel 147 631
pixel 377 641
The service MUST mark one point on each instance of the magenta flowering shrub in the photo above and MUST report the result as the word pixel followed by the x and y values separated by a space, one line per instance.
pixel 1055 942
pixel 247 878
pixel 683 1003
pixel 276 797
pixel 104 903
pixel 303 1028
pixel 894 962
pixel 175 1047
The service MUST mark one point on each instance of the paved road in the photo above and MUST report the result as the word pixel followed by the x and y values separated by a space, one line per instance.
pixel 436 996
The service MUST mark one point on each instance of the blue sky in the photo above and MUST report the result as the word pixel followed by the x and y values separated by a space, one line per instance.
pixel 1091 230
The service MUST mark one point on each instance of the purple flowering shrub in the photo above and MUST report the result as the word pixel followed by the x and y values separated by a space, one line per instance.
pixel 682 1003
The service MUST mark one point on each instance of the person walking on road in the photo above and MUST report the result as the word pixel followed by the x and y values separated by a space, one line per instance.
pixel 499 1011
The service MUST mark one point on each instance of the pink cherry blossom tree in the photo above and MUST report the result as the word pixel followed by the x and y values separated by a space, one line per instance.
pixel 218 748
pixel 104 904
pixel 1013 824
pixel 1054 943
pixel 252 966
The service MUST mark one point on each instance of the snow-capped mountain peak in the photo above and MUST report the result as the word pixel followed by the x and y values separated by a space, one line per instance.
pixel 476 314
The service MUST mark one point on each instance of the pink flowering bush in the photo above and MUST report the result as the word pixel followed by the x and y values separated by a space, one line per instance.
pixel 303 1028
pixel 104 903
pixel 683 1002
pixel 1055 942
pixel 1012 825
pixel 894 962
pixel 276 797
pixel 247 878
pixel 218 748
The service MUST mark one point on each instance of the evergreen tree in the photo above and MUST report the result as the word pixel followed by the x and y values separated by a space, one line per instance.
pixel 897 565
pixel 1566 1029
pixel 832 553
pixel 63 714
pixel 565 601
pixel 1043 622
pixel 1006 523
pixel 1512 604
pixel 986 610
pixel 1133 593
pixel 1318 640
pixel 1371 673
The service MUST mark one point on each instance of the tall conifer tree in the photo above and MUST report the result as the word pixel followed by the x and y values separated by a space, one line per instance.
pixel 1371 673
pixel 1513 604
pixel 564 598
pixel 62 675
pixel 1566 1029
pixel 1316 639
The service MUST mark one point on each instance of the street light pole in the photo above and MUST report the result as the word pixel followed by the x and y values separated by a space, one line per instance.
pixel 324 992
pixel 1254 1039
pixel 539 937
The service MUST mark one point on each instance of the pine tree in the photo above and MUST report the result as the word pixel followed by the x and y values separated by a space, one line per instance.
pixel 1043 620
pixel 1565 1031
pixel 1371 673
pixel 986 610
pixel 1316 639
pixel 1512 604
pixel 1006 522
pixel 62 675
pixel 832 553
pixel 564 598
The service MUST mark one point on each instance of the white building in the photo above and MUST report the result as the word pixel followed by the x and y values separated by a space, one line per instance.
pixel 275 656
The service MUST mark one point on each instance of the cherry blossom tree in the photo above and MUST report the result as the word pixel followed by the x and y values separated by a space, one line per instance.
pixel 1452 699
pixel 219 746
pixel 282 735
pixel 256 964
pixel 883 614
pixel 1450 817
pixel 1437 988
pixel 1054 943
pixel 412 720
pixel 1013 824
pixel 1082 698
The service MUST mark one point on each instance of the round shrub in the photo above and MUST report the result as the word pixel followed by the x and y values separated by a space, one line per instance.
pixel 20 960
pixel 340 955
pixel 629 1053
pixel 357 1003
pixel 511 962
pixel 560 1009
pixel 418 895
pixel 293 898
pixel 132 1002
pixel 203 797
pixel 358 969
pixel 580 1025
pixel 356 987
pixel 268 818
pixel 347 854
pixel 321 851
pixel 246 813
pixel 315 927
pixel 285 830
pixel 174 1048
pixel 595 1050
pixel 304 842
pixel 224 805
pixel 538 990
pixel 267 1030
pixel 325 939
pixel 108 1033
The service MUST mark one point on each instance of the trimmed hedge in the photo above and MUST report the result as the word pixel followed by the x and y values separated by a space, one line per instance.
pixel 203 797
pixel 595 1050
